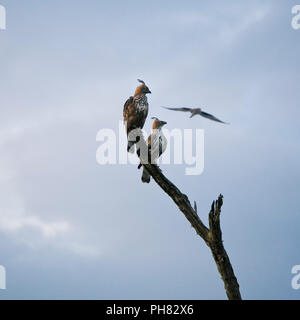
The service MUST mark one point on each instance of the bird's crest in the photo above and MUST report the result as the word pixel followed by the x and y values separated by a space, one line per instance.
pixel 142 88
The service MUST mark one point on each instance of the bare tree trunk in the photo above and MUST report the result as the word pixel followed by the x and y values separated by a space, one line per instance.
pixel 219 253
pixel 212 235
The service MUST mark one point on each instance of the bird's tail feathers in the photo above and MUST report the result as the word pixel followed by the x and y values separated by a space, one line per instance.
pixel 130 146
pixel 145 176
pixel 133 138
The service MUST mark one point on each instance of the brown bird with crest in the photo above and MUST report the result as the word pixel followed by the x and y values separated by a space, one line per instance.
pixel 135 112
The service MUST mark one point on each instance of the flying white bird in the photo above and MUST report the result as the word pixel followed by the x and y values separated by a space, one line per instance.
pixel 195 111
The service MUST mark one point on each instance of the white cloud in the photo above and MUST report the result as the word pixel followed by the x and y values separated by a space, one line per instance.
pixel 14 222
pixel 36 232
pixel 221 28
pixel 32 229
pixel 231 31
pixel 83 250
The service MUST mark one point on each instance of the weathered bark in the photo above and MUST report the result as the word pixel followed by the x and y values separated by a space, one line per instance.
pixel 219 253
pixel 212 235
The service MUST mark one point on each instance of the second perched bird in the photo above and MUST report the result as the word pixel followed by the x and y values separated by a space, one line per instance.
pixel 135 111
pixel 157 144
pixel 198 111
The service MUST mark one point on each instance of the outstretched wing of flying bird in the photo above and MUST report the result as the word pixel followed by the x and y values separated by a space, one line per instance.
pixel 211 117
pixel 179 109
pixel 195 111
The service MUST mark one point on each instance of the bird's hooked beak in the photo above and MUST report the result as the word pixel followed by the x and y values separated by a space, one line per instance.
pixel 149 91
pixel 163 123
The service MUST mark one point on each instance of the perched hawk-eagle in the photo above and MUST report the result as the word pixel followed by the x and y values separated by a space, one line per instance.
pixel 135 111
pixel 157 144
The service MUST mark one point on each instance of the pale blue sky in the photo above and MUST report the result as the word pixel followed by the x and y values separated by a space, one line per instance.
pixel 70 228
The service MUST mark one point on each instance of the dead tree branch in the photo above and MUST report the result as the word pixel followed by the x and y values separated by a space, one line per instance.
pixel 212 235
